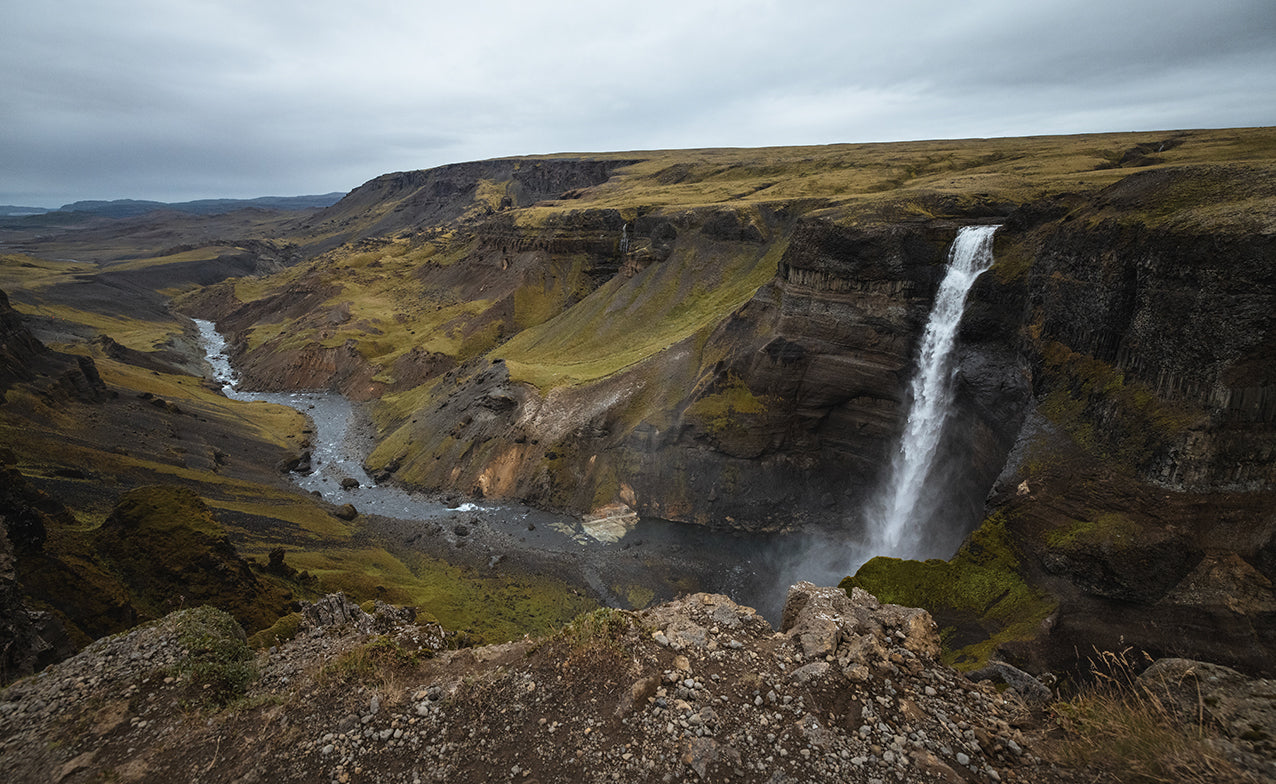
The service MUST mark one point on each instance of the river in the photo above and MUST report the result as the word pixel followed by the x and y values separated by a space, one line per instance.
pixel 662 557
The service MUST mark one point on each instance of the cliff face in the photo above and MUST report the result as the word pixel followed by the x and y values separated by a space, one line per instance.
pixel 55 375
pixel 1139 496
pixel 1185 316
pixel 409 201
pixel 781 411
pixel 796 419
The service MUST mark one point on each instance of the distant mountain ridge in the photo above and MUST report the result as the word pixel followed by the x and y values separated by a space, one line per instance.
pixel 125 208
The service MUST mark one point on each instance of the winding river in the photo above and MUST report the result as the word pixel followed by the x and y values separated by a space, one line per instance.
pixel 656 556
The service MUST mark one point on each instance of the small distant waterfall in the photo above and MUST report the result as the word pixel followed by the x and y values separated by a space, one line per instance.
pixel 896 521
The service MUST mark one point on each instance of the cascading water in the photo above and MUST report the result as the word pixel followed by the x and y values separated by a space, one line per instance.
pixel 896 521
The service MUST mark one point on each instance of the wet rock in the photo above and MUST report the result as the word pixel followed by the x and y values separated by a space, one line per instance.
pixel 349 483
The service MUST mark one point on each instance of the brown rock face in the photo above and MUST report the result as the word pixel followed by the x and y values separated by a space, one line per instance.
pixel 32 639
pixel 18 347
pixel 56 375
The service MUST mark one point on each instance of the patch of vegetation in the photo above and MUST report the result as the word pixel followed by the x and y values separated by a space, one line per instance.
pixel 593 643
pixel 281 632
pixel 379 660
pixel 486 607
pixel 719 410
pixel 166 547
pixel 1122 421
pixel 218 664
pixel 626 321
pixel 1105 530
pixel 1117 729
pixel 978 598
pixel 604 626
pixel 638 596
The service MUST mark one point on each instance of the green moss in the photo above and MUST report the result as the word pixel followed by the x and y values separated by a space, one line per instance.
pixel 166 547
pixel 637 596
pixel 718 411
pixel 284 630
pixel 487 606
pixel 1105 530
pixel 1012 262
pixel 979 597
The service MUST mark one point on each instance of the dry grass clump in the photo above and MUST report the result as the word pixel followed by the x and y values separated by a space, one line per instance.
pixel 593 644
pixel 1117 729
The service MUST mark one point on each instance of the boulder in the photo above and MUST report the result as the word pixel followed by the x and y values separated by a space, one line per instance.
pixel 856 626
pixel 1243 708
pixel 346 512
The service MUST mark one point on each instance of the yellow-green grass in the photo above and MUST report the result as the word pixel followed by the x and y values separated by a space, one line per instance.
pixel 846 174
pixel 390 310
pixel 204 253
pixel 267 422
pixel 134 333
pixel 489 607
pixel 628 320
pixel 20 271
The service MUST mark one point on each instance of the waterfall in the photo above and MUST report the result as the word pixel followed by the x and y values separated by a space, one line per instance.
pixel 897 521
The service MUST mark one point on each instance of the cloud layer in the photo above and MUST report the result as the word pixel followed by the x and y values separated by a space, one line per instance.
pixel 187 99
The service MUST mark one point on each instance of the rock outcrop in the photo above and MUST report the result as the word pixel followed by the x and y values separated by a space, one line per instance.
pixel 701 689
pixel 23 358
pixel 30 639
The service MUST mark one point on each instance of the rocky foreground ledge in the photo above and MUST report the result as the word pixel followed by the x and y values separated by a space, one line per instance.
pixel 700 689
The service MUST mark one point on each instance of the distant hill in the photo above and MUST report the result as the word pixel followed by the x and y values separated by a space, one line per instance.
pixel 13 211
pixel 124 208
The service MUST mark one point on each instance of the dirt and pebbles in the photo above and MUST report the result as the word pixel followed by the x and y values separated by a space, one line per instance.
pixel 699 689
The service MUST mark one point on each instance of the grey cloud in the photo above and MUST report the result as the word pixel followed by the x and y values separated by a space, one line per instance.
pixel 177 99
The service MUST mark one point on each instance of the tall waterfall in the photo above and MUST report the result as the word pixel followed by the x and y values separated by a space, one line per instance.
pixel 896 520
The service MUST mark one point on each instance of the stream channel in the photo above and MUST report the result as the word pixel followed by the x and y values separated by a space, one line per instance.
pixel 653 561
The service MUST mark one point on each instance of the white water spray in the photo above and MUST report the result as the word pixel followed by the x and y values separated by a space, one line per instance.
pixel 896 527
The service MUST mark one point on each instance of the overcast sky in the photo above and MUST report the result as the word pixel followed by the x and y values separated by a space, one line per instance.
pixel 184 99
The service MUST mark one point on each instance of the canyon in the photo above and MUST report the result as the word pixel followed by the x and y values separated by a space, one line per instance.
pixel 725 339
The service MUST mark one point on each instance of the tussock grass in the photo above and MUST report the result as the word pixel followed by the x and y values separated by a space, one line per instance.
pixel 218 665
pixel 1118 729
pixel 375 661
